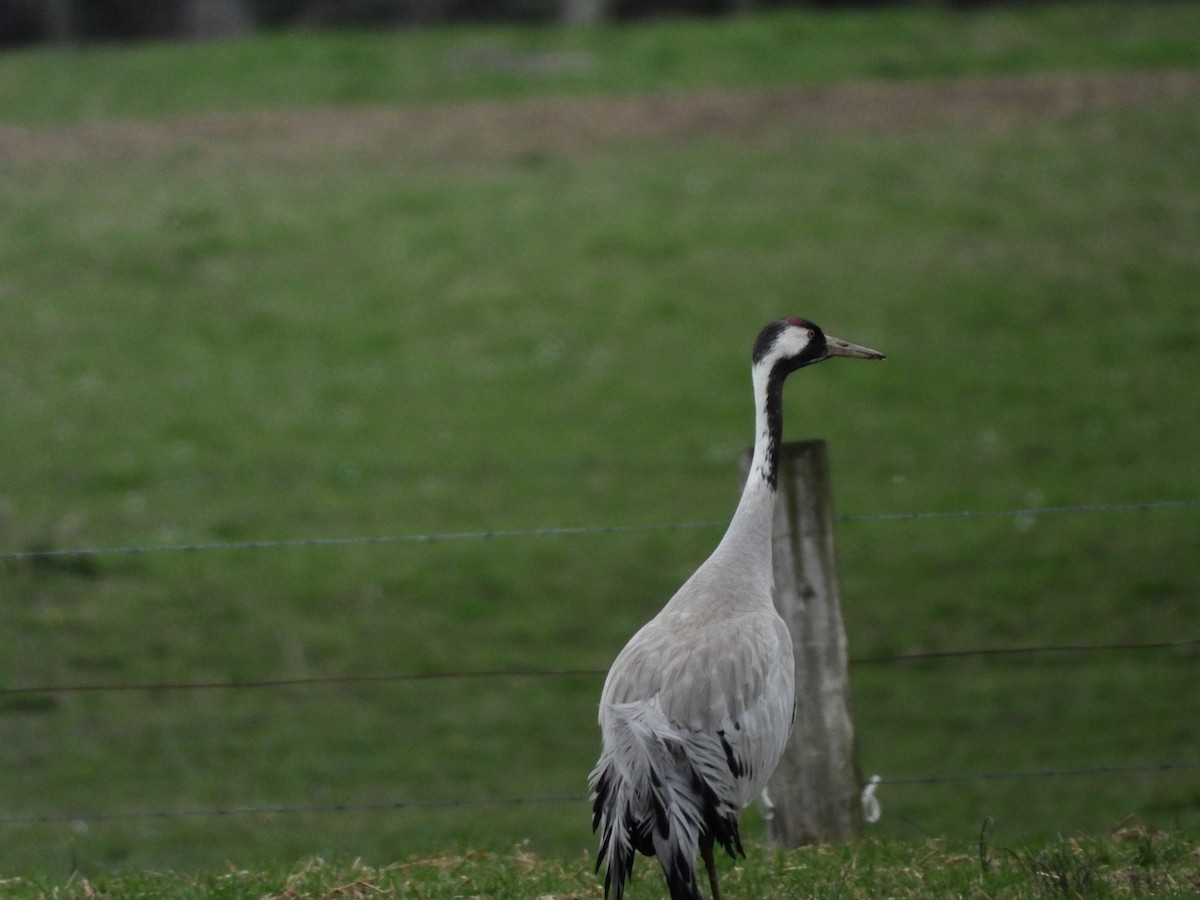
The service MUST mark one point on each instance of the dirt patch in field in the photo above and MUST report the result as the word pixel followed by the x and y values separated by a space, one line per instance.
pixel 569 125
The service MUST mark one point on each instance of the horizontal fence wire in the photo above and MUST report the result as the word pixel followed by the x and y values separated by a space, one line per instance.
pixel 334 680
pixel 292 543
pixel 1044 773
pixel 934 655
pixel 284 810
pixel 301 682
pixel 466 802
pixel 569 531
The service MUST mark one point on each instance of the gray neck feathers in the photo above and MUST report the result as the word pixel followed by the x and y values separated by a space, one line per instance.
pixel 747 542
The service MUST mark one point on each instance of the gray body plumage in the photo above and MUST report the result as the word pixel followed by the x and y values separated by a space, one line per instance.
pixel 698 706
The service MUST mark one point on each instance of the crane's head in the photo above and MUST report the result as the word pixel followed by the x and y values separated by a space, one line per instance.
pixel 790 344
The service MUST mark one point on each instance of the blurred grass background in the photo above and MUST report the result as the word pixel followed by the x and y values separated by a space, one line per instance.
pixel 347 285
pixel 428 66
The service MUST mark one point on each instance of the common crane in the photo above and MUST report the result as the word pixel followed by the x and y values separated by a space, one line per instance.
pixel 698 706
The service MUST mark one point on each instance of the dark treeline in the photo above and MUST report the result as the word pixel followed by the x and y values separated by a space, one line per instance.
pixel 82 21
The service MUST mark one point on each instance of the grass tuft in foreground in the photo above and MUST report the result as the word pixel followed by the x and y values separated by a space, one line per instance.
pixel 1131 861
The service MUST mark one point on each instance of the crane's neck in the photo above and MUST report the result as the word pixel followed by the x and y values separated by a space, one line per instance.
pixel 768 427
pixel 749 532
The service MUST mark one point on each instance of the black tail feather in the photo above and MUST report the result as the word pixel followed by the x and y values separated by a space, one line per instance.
pixel 627 828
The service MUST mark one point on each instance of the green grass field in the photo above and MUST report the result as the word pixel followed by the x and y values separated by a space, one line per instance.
pixel 308 287
pixel 1132 862
pixel 440 65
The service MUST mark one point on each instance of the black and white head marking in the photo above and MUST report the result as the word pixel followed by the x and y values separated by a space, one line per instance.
pixel 780 349
pixel 789 344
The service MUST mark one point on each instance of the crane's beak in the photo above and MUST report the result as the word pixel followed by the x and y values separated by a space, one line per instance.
pixel 838 347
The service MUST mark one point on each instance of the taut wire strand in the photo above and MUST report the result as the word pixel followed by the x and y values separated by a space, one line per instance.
pixel 386 806
pixel 314 680
pixel 570 531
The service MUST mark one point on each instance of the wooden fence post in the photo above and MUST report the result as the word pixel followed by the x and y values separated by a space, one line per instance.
pixel 817 788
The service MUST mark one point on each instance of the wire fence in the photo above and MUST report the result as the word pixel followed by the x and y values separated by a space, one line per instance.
pixel 479 802
pixel 82 816
pixel 16 556
pixel 489 674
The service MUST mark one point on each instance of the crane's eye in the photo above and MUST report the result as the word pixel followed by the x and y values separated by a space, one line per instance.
pixel 811 334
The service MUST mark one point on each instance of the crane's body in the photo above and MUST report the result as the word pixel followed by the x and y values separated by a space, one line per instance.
pixel 698 706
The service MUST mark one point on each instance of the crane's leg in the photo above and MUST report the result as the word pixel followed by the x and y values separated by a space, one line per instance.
pixel 768 808
pixel 706 853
